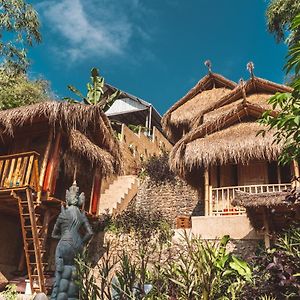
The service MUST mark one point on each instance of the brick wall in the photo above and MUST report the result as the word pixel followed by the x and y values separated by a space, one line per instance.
pixel 170 198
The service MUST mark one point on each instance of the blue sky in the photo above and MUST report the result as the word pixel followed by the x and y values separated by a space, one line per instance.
pixel 153 49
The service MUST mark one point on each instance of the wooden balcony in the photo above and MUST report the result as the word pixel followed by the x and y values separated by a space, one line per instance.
pixel 19 171
pixel 220 198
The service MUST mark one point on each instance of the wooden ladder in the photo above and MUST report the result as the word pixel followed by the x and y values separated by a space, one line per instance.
pixel 33 240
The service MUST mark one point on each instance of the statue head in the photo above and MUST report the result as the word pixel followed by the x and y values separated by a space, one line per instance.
pixel 73 197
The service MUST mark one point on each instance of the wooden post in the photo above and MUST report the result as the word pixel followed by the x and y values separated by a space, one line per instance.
pixel 95 194
pixel 210 200
pixel 206 192
pixel 278 174
pixel 52 165
pixel 45 159
pixel 267 229
pixel 46 222
pixel 296 172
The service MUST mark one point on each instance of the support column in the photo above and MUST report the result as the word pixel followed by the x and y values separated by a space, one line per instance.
pixel 206 192
pixel 278 174
pixel 95 195
pixel 266 229
pixel 49 182
pixel 296 173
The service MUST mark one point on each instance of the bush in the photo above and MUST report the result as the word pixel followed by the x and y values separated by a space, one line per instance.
pixel 277 271
pixel 158 169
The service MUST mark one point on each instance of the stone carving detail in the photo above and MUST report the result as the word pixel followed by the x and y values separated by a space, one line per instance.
pixel 67 229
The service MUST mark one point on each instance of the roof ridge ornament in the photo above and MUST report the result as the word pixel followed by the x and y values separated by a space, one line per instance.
pixel 208 64
pixel 250 68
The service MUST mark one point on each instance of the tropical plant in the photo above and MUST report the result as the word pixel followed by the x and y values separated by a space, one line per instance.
pixel 203 270
pixel 95 92
pixel 286 122
pixel 10 292
pixel 86 280
pixel 19 27
pixel 280 14
pixel 158 169
pixel 17 90
pixel 276 271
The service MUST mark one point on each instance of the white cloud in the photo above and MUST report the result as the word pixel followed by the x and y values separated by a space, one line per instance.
pixel 91 28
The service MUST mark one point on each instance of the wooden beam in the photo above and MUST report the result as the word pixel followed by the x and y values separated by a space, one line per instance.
pixel 266 229
pixel 45 159
pixel 296 173
pixel 278 174
pixel 95 194
pixel 49 181
pixel 206 192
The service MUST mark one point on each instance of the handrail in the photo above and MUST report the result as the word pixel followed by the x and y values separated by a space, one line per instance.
pixel 19 170
pixel 251 185
pixel 220 198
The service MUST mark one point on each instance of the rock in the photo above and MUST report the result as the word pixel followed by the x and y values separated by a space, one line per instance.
pixel 40 296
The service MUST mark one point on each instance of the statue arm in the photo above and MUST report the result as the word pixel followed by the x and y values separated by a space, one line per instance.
pixel 88 229
pixel 56 233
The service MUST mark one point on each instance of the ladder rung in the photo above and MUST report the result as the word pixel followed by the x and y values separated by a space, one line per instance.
pixel 32 239
pixel 32 251
pixel 34 264
pixel 29 226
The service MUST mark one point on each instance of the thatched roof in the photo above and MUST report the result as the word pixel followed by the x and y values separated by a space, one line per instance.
pixel 235 144
pixel 226 131
pixel 205 93
pixel 270 199
pixel 86 127
pixel 275 207
pixel 254 85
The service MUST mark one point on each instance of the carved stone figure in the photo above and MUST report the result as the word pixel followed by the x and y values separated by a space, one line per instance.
pixel 68 227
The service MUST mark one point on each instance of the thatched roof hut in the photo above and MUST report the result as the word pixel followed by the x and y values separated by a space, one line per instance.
pixel 178 119
pixel 270 212
pixel 227 131
pixel 87 131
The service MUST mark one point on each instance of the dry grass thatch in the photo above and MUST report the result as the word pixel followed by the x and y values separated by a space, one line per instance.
pixel 76 121
pixel 237 144
pixel 81 145
pixel 258 200
pixel 257 91
pixel 212 86
pixel 257 99
pixel 195 106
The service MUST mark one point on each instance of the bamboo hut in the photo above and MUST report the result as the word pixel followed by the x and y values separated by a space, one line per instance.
pixel 43 148
pixel 222 154
pixel 178 120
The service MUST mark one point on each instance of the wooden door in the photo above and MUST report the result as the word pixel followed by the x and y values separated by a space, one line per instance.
pixel 256 172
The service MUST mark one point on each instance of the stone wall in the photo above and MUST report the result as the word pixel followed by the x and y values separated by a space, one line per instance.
pixel 171 199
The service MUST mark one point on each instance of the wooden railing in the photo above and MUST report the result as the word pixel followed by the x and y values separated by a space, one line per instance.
pixel 19 170
pixel 220 198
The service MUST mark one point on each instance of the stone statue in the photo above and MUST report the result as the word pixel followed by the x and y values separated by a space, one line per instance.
pixel 68 228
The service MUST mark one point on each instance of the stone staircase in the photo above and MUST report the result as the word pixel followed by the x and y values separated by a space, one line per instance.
pixel 118 195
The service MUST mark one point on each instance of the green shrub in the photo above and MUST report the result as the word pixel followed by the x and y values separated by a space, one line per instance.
pixel 158 169
pixel 10 292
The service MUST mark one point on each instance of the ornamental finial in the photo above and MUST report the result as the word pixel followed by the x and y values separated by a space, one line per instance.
pixel 250 68
pixel 207 63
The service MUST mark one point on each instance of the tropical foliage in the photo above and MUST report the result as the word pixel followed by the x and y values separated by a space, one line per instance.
pixel 19 28
pixel 144 263
pixel 287 121
pixel 280 14
pixel 17 90
pixel 276 271
pixel 95 92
